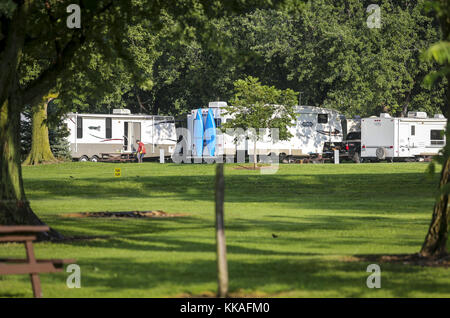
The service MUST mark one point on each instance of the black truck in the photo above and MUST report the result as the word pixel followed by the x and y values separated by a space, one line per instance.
pixel 351 147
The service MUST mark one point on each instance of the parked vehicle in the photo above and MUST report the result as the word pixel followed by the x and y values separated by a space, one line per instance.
pixel 93 134
pixel 351 147
pixel 313 128
pixel 414 137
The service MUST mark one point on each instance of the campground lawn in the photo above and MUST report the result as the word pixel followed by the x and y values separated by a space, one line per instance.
pixel 322 214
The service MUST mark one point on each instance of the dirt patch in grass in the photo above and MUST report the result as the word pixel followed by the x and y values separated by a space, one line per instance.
pixel 405 259
pixel 125 214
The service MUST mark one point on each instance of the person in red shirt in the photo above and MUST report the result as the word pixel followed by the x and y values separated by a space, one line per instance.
pixel 140 151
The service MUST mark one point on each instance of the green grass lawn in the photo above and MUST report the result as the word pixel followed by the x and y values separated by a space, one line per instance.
pixel 322 214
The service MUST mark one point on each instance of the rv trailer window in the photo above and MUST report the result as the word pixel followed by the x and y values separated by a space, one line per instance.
pixel 108 128
pixel 437 137
pixel 79 127
pixel 322 118
pixel 218 122
pixel 413 130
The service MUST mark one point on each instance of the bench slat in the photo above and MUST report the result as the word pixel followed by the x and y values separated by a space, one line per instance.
pixel 17 239
pixel 37 268
pixel 22 260
pixel 7 229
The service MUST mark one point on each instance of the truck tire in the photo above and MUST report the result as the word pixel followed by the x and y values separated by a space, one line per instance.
pixel 83 159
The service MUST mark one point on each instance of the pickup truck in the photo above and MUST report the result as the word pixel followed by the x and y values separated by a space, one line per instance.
pixel 351 147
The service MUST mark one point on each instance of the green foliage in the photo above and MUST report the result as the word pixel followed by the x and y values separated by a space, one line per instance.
pixel 323 49
pixel 174 56
pixel 59 143
pixel 25 132
pixel 112 55
pixel 257 106
pixel 7 8
pixel 58 132
pixel 440 53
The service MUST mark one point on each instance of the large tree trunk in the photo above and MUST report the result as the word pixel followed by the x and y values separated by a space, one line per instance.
pixel 436 239
pixel 14 207
pixel 40 145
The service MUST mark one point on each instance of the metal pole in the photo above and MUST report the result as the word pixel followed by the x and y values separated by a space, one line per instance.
pixel 76 132
pixel 222 267
pixel 161 155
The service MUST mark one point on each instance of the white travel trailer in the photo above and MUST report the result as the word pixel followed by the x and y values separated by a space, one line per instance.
pixel 415 136
pixel 93 134
pixel 314 127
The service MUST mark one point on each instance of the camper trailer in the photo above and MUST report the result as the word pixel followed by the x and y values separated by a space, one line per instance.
pixel 94 134
pixel 415 136
pixel 314 127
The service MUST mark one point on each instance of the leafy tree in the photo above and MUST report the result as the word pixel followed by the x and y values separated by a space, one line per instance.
pixel 343 64
pixel 322 48
pixel 59 143
pixel 29 28
pixel 25 132
pixel 259 107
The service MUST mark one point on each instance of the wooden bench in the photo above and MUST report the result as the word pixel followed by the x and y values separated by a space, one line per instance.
pixel 30 265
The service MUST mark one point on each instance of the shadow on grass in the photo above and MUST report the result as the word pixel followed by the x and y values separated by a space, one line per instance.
pixel 404 192
pixel 326 231
pixel 119 227
pixel 275 275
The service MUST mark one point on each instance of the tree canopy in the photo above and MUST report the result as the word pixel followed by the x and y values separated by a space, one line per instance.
pixel 322 49
pixel 110 50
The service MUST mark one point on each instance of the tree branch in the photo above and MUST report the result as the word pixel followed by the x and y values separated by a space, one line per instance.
pixel 47 80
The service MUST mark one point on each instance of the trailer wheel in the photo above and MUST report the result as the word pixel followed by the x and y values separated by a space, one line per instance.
pixel 380 153
pixel 83 159
pixel 94 159
pixel 356 158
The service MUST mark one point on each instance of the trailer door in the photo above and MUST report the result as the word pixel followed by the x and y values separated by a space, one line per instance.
pixel 125 136
pixel 137 131
pixel 405 133
pixel 132 132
